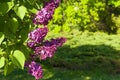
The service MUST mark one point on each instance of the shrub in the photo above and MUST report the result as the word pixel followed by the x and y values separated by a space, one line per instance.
pixel 89 15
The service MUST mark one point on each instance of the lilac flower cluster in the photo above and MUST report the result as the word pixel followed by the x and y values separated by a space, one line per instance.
pixel 48 49
pixel 42 49
pixel 45 52
pixel 34 69
pixel 36 36
pixel 46 13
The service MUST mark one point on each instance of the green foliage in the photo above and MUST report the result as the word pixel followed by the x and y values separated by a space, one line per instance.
pixel 2 62
pixel 5 7
pixel 9 67
pixel 116 3
pixel 92 15
pixel 1 37
pixel 20 11
pixel 18 59
pixel 15 24
pixel 116 20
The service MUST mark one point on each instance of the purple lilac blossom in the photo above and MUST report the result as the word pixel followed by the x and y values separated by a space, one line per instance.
pixel 37 52
pixel 42 49
pixel 37 35
pixel 46 13
pixel 48 49
pixel 34 69
pixel 57 42
pixel 44 52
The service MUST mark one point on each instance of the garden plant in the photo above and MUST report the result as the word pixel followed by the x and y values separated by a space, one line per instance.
pixel 11 55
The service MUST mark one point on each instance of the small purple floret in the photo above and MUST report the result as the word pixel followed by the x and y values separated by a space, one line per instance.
pixel 30 44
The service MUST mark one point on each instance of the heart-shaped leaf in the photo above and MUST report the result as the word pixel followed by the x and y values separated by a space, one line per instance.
pixel 20 11
pixel 18 58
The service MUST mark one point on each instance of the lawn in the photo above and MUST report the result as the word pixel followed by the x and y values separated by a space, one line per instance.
pixel 85 56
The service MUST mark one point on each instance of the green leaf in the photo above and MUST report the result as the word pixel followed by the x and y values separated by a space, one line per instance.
pixel 5 7
pixel 20 11
pixel 1 53
pixel 19 58
pixel 23 34
pixel 24 49
pixel 13 24
pixel 33 10
pixel 1 37
pixel 2 62
pixel 9 67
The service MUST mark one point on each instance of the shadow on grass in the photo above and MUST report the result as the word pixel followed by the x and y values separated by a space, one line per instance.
pixel 86 62
pixel 87 57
